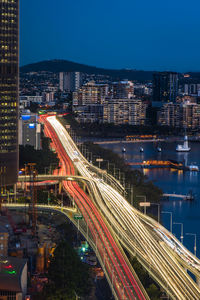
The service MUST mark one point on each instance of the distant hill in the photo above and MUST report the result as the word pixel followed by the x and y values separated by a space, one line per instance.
pixel 68 66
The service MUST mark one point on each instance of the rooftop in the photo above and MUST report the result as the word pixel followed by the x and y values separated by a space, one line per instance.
pixel 10 273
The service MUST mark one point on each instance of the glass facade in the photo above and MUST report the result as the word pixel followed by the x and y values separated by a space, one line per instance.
pixel 9 82
pixel 165 87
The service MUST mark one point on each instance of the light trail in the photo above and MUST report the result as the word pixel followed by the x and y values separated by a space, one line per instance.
pixel 125 278
pixel 140 234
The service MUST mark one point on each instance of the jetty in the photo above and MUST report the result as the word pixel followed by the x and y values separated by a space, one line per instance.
pixel 182 197
pixel 160 164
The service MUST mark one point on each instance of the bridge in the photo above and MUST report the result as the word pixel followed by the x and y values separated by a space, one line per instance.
pixel 111 218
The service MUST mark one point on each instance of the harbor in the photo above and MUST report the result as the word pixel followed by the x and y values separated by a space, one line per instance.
pixel 170 180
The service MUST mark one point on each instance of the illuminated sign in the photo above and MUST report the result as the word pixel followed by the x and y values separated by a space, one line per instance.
pixel 31 125
pixel 26 117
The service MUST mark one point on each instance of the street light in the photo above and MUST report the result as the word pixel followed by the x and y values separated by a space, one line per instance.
pixel 181 230
pixel 158 204
pixel 145 200
pixel 168 212
pixel 131 189
pixel 195 242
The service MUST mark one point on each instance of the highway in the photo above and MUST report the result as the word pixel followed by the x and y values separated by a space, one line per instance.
pixel 161 254
pixel 121 276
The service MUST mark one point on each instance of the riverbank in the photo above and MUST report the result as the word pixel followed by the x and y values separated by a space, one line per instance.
pixel 127 142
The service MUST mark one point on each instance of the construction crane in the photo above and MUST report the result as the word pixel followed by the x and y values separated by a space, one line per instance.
pixel 33 193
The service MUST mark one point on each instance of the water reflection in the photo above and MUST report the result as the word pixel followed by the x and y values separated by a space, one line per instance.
pixel 178 181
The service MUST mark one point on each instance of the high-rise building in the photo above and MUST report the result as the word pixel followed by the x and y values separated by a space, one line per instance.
pixel 122 89
pixel 9 77
pixel 124 111
pixel 70 81
pixel 165 87
pixel 90 93
pixel 29 129
pixel 182 115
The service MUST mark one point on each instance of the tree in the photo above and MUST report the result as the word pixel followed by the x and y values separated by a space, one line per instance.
pixel 67 274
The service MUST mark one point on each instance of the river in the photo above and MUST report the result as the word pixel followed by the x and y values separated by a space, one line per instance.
pixel 170 181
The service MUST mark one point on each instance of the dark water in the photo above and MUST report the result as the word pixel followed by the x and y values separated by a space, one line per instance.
pixel 170 181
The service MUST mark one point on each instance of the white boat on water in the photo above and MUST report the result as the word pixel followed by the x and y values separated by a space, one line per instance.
pixel 159 149
pixel 184 147
pixel 193 168
pixel 141 149
pixel 123 149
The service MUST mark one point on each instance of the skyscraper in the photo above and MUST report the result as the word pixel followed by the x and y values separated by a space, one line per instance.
pixel 9 77
pixel 70 81
pixel 165 87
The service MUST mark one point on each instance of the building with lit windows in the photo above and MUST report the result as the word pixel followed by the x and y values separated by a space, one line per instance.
pixel 122 89
pixel 165 87
pixel 181 115
pixel 124 111
pixel 29 130
pixel 70 81
pixel 90 93
pixel 9 67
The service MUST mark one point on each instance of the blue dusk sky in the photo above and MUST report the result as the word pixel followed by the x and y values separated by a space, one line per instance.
pixel 135 34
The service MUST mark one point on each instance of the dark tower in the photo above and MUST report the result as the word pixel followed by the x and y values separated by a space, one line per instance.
pixel 165 87
pixel 9 83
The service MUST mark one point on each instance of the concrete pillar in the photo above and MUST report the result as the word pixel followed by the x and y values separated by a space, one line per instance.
pixel 15 192
pixel 60 187
pixel 22 185
pixel 56 190
pixel 84 187
pixel 198 281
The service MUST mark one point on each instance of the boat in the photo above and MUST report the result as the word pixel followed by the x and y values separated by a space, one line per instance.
pixel 141 149
pixel 184 147
pixel 190 196
pixel 123 149
pixel 193 168
pixel 159 149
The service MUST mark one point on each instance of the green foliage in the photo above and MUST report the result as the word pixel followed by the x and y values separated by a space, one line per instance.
pixel 44 158
pixel 42 197
pixel 107 130
pixel 67 275
pixel 152 289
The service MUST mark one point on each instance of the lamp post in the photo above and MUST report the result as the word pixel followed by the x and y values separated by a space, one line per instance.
pixel 158 204
pixel 195 242
pixel 113 168
pixel 181 230
pixel 145 200
pixel 168 212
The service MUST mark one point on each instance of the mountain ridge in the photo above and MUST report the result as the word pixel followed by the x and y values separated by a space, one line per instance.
pixel 61 65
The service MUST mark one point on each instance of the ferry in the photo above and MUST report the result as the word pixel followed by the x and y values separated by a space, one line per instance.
pixel 184 147
pixel 194 168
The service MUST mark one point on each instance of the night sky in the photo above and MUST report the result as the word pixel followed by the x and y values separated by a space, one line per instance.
pixel 135 34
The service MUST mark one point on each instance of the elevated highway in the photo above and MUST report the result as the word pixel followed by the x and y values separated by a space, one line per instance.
pixel 156 249
pixel 125 283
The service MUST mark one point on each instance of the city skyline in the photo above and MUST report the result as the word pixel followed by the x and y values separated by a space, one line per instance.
pixel 148 35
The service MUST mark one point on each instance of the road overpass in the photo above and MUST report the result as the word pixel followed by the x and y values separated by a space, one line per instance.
pixel 159 252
